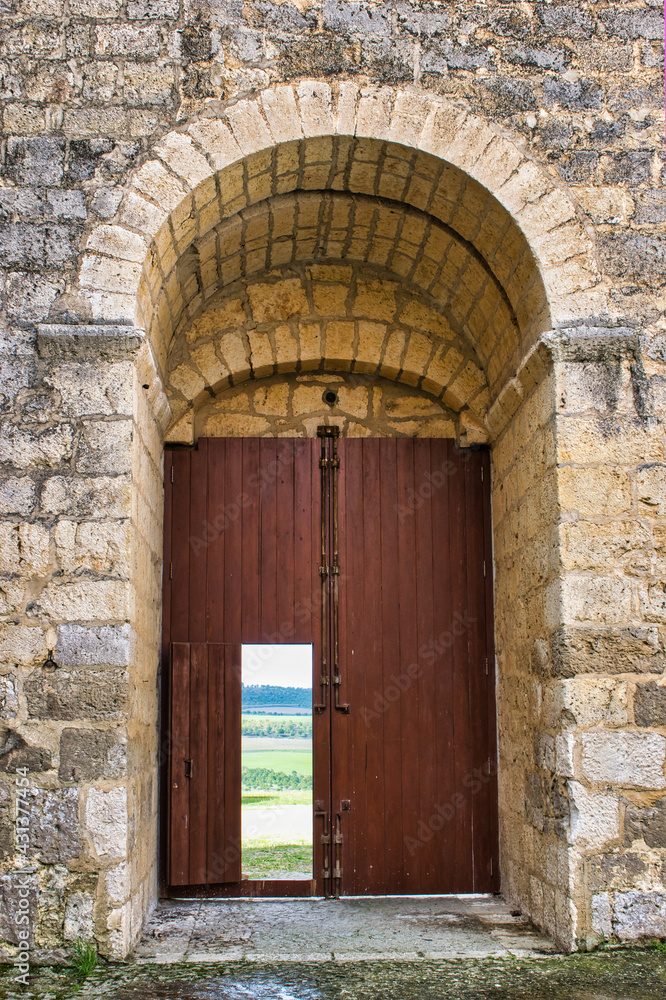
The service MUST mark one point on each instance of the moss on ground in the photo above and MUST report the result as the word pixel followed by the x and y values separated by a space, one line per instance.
pixel 612 975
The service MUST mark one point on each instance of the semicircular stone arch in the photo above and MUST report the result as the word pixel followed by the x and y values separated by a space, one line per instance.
pixel 483 234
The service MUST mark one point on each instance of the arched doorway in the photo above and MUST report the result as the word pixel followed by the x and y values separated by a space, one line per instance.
pixel 260 222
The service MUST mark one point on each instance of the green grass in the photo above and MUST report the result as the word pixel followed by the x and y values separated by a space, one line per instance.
pixel 84 959
pixel 287 761
pixel 286 797
pixel 264 860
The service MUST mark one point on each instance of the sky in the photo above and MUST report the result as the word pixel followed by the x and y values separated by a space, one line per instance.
pixel 284 665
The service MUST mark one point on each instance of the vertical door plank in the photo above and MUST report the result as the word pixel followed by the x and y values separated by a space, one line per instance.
pixel 446 724
pixel 215 541
pixel 425 736
pixel 216 844
pixel 252 570
pixel 373 845
pixel 268 537
pixel 198 553
pixel 232 761
pixel 461 705
pixel 490 652
pixel 481 843
pixel 179 752
pixel 198 756
pixel 410 665
pixel 233 540
pixel 180 548
pixel 284 626
pixel 391 688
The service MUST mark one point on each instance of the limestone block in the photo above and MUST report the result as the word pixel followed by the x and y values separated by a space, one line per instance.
pixel 78 924
pixel 97 497
pixel 601 915
pixel 278 302
pixel 314 101
pixel 589 546
pixel 595 817
pixel 90 388
pixel 624 759
pixel 89 600
pixel 339 344
pixel 651 489
pixel 54 824
pixel 650 705
pixel 605 649
pixel 272 399
pixel 249 128
pixel 180 153
pixel 235 425
pixel 24 548
pixel 93 545
pixel 88 754
pixel 647 823
pixel 639 915
pixel 282 114
pixel 214 137
pixel 105 446
pixel 21 644
pixel 594 491
pixel 9 703
pixel 209 364
pixel 604 599
pixel 116 241
pixel 585 702
pixel 187 380
pixel 652 599
pixel 106 821
pixel 110 645
pixel 26 449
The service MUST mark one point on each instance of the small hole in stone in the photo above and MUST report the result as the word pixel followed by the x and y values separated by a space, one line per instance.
pixel 330 397
pixel 146 386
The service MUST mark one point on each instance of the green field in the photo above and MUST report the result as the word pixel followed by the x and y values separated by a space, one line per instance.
pixel 264 859
pixel 279 760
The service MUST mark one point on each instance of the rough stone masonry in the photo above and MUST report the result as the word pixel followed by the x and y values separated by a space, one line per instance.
pixel 457 210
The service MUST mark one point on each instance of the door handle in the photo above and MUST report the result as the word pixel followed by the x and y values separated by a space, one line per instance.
pixel 189 768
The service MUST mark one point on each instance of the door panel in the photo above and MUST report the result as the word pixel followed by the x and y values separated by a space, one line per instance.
pixel 418 766
pixel 401 624
pixel 204 763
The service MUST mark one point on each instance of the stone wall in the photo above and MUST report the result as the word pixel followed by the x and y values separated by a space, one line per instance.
pixel 433 187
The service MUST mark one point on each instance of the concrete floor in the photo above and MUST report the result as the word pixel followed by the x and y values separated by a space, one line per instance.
pixel 404 929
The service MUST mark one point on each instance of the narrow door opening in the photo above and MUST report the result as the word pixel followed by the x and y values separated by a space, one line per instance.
pixel 276 762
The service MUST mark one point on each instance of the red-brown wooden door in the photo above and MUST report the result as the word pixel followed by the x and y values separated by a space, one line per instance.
pixel 404 746
pixel 242 547
pixel 414 794
pixel 205 764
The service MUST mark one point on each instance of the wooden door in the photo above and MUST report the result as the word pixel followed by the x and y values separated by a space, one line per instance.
pixel 377 552
pixel 242 551
pixel 413 760
pixel 205 764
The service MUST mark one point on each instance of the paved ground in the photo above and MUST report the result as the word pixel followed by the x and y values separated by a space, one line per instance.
pixel 347 930
pixel 623 975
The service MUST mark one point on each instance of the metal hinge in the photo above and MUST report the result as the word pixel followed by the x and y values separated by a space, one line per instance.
pixel 481 473
pixel 486 666
pixel 171 571
pixel 484 567
pixel 172 473
pixel 491 866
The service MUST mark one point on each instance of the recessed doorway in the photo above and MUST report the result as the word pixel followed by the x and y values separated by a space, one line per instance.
pixel 276 762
